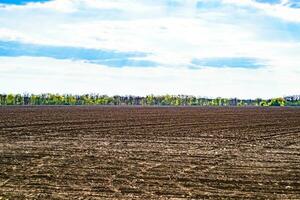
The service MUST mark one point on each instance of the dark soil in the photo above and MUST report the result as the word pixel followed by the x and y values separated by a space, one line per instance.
pixel 93 152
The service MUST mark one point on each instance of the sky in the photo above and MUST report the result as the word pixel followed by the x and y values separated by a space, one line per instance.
pixel 207 48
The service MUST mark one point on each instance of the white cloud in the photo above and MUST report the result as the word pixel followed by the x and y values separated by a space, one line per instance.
pixel 281 10
pixel 8 34
pixel 38 75
pixel 67 6
pixel 173 35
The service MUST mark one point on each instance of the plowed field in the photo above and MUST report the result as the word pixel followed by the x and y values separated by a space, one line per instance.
pixel 90 152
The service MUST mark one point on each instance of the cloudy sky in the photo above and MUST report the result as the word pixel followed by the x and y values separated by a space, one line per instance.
pixel 212 48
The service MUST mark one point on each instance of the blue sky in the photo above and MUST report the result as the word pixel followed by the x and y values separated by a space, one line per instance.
pixel 20 2
pixel 198 47
pixel 107 57
pixel 235 62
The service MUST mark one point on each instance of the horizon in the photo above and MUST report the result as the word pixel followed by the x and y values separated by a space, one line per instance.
pixel 181 96
pixel 210 48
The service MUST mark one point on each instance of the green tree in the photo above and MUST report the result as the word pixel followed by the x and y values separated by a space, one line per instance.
pixel 277 102
pixel 150 99
pixel 263 103
pixel 10 99
pixel 3 99
pixel 18 100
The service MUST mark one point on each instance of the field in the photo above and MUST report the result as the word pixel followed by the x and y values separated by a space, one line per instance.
pixel 93 152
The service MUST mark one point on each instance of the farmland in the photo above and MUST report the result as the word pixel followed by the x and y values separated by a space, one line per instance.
pixel 94 152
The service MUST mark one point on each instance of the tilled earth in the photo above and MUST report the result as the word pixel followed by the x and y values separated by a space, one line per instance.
pixel 93 152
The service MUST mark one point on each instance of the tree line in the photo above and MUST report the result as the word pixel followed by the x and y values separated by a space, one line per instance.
pixel 151 100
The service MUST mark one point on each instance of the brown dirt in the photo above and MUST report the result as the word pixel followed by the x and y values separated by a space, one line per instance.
pixel 149 153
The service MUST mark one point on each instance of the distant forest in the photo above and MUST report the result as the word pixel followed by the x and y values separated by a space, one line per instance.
pixel 149 100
